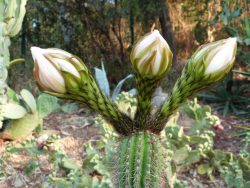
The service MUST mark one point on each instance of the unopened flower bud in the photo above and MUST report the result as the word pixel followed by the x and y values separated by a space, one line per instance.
pixel 151 55
pixel 56 70
pixel 215 59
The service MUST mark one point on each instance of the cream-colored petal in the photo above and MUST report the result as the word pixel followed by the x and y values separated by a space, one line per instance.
pixel 48 74
pixel 223 57
pixel 157 63
pixel 148 40
pixel 57 51
pixel 66 66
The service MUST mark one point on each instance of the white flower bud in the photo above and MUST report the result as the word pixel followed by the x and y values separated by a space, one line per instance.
pixel 151 55
pixel 49 65
pixel 218 57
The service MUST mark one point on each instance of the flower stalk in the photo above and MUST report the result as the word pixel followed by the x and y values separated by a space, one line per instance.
pixel 209 64
pixel 64 75
pixel 151 59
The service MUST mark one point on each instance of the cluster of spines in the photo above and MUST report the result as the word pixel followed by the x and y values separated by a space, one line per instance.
pixel 140 162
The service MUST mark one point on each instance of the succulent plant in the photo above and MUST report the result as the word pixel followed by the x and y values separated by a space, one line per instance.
pixel 11 17
pixel 141 158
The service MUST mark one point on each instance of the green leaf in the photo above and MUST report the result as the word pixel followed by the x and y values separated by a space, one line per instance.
pixel 102 80
pixel 232 31
pixel 203 169
pixel 31 167
pixel 47 104
pixel 181 154
pixel 118 88
pixel 70 107
pixel 29 99
pixel 11 94
pixel 224 19
pixel 235 13
pixel 214 20
pixel 21 128
pixel 193 157
pixel 247 41
pixel 13 111
pixel 68 164
pixel 247 27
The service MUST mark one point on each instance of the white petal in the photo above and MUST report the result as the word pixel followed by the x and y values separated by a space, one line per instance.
pixel 148 40
pixel 66 66
pixel 57 51
pixel 157 63
pixel 223 57
pixel 36 52
pixel 48 75
pixel 162 40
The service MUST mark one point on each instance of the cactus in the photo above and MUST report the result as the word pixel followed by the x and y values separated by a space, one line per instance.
pixel 140 161
pixel 11 17
pixel 141 157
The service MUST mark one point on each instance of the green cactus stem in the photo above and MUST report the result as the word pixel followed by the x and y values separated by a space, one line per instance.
pixel 11 17
pixel 140 161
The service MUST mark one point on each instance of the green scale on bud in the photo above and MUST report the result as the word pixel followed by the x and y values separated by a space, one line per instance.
pixel 140 162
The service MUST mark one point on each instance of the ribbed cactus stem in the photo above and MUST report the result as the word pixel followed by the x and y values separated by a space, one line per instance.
pixel 140 161
pixel 11 17
pixel 4 59
pixel 146 88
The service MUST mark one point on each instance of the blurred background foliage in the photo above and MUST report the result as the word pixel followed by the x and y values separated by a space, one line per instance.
pixel 103 31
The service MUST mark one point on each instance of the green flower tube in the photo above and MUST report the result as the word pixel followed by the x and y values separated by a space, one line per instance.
pixel 209 64
pixel 64 75
pixel 151 59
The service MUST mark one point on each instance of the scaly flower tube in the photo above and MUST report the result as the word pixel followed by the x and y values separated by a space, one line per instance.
pixel 64 75
pixel 209 64
pixel 151 55
pixel 151 59
pixel 53 69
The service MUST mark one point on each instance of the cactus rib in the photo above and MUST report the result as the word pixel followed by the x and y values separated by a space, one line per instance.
pixel 140 161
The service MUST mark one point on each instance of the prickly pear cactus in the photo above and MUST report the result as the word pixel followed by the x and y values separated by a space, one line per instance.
pixel 140 161
pixel 11 17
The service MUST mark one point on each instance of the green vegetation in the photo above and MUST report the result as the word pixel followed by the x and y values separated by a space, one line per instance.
pixel 192 151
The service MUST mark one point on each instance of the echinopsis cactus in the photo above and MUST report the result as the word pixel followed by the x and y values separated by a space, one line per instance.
pixel 141 156
pixel 11 18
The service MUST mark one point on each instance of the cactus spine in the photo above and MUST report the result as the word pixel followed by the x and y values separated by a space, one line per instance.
pixel 11 17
